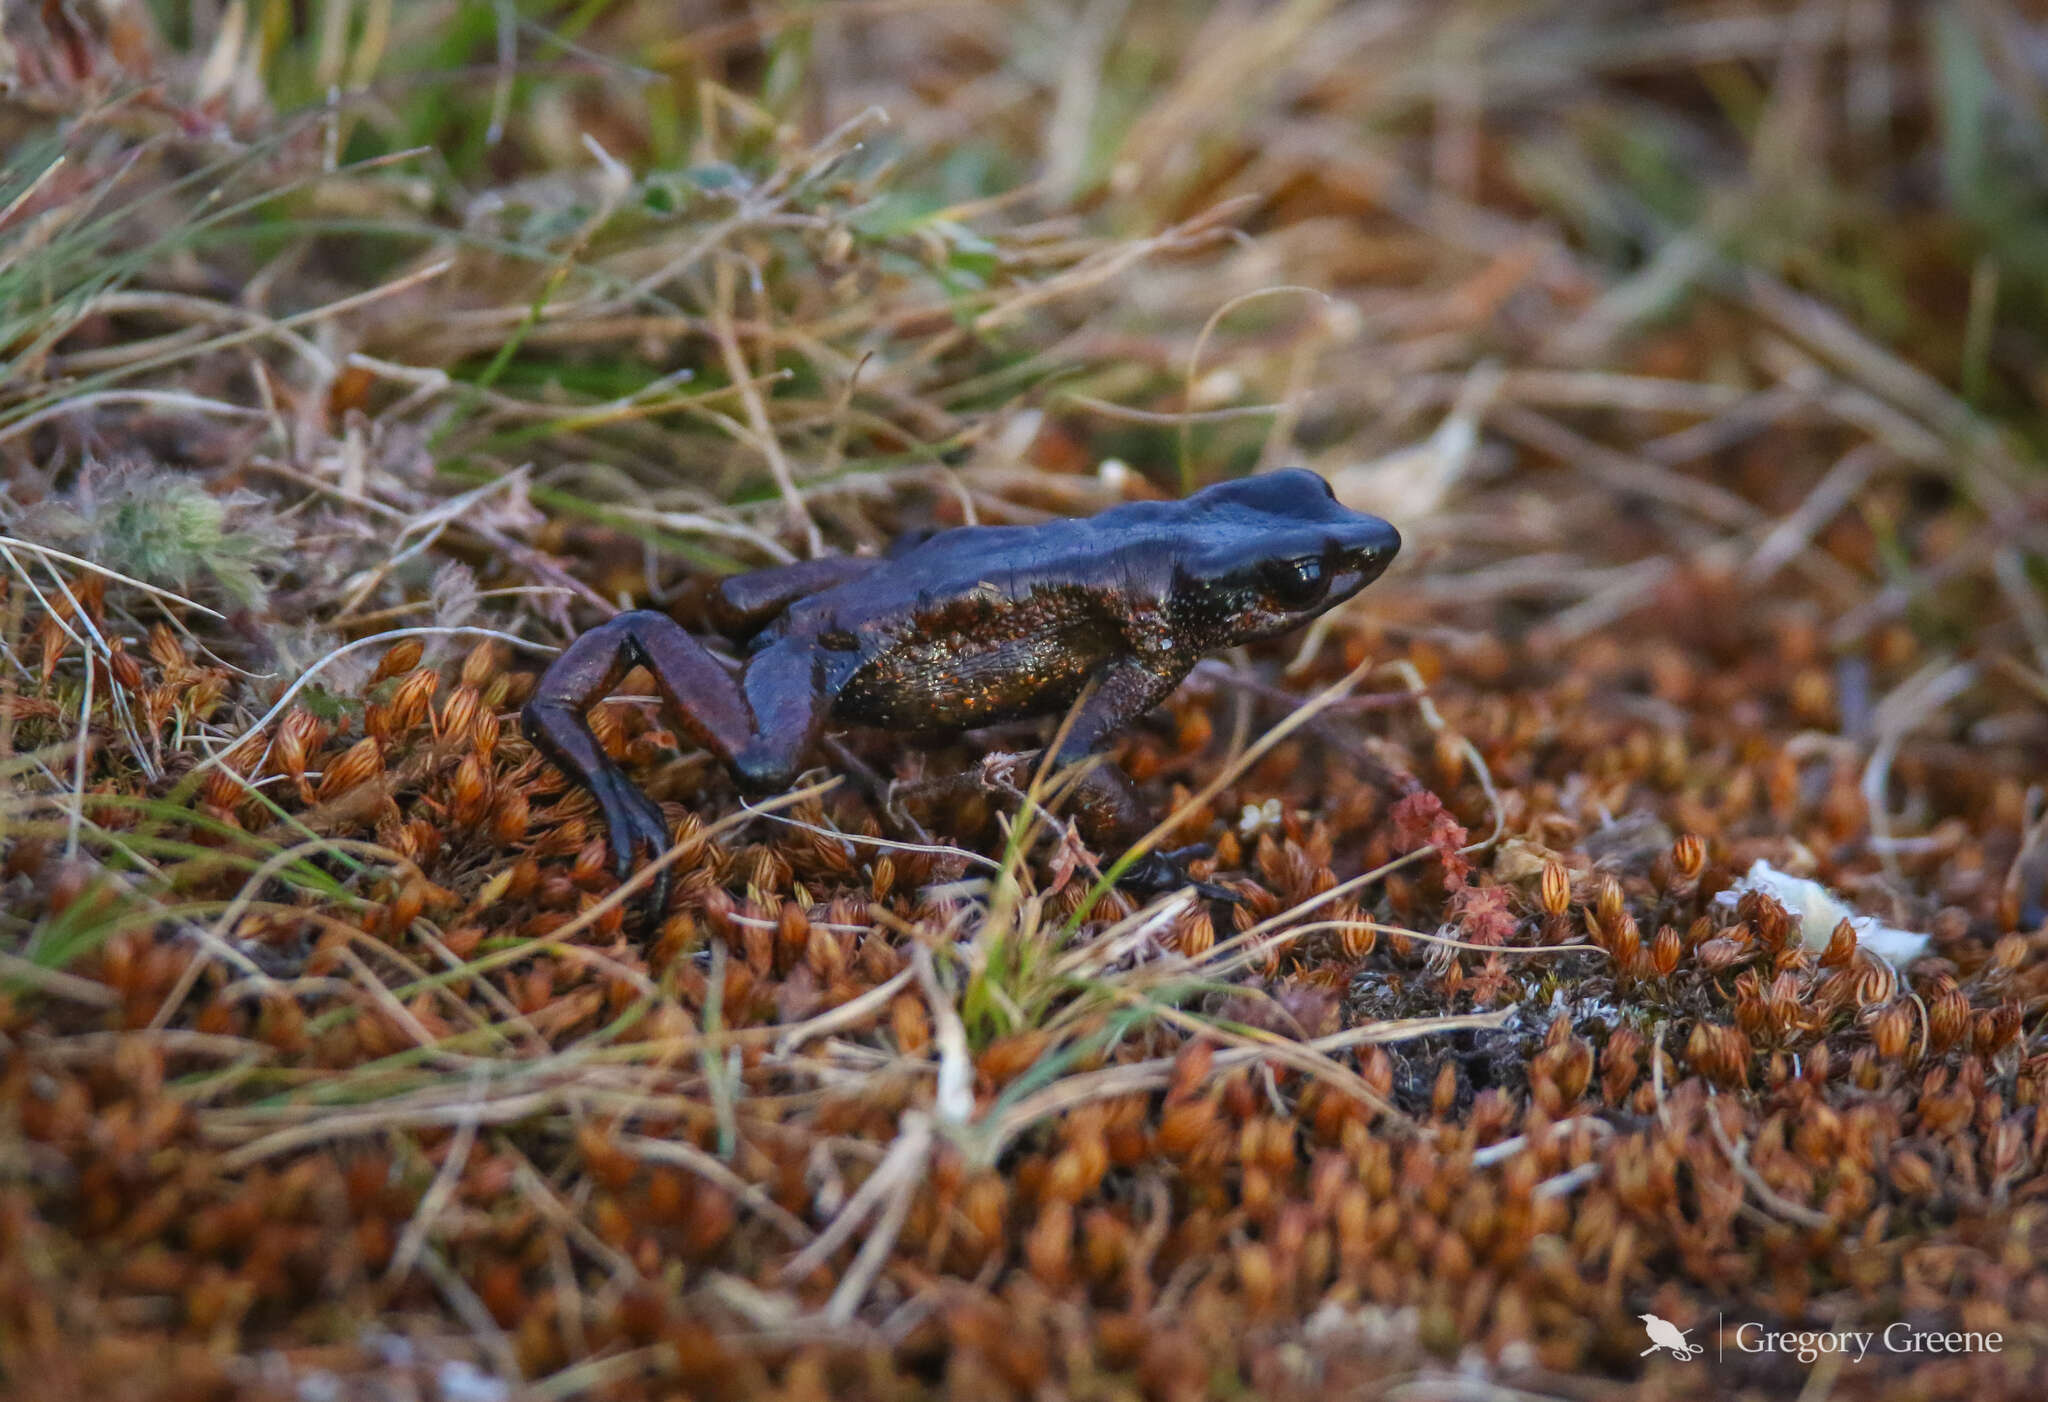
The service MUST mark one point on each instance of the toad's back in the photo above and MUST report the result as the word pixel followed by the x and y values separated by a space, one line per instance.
pixel 1131 553
pixel 1128 547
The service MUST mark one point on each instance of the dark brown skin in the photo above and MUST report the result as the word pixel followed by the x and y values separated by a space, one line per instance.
pixel 971 627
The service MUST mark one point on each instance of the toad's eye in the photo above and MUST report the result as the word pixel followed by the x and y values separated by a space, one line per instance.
pixel 1295 584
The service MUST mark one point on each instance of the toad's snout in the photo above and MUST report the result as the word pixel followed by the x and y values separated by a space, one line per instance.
pixel 1362 549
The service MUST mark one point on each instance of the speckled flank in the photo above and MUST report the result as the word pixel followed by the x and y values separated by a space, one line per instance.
pixel 1209 616
pixel 982 659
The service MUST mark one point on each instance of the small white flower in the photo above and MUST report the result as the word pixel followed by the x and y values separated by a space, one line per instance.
pixel 1257 817
pixel 1818 911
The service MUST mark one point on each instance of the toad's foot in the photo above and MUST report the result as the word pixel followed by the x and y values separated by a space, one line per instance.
pixel 633 821
pixel 1156 873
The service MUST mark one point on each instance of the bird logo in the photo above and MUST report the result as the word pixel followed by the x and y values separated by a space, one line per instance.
pixel 1664 1334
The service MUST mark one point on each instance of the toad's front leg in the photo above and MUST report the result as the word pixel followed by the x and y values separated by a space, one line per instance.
pixel 759 727
pixel 1106 808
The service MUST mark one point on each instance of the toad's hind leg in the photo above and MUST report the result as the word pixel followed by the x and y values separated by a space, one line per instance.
pixel 788 689
pixel 706 701
pixel 743 604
